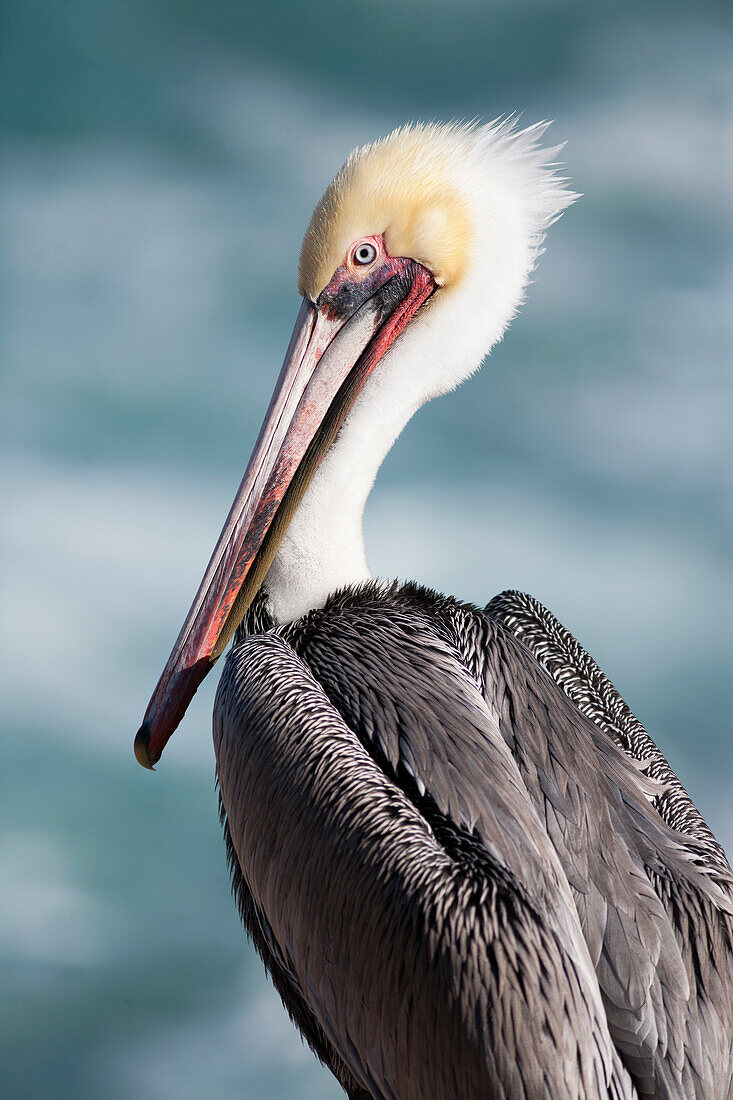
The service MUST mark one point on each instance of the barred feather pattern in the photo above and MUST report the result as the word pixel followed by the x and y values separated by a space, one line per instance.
pixel 401 665
pixel 570 666
pixel 674 1027
pixel 391 870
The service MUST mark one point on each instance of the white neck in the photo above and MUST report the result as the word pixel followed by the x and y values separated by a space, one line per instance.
pixel 323 547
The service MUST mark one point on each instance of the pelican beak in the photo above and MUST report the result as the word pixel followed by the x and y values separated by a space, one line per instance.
pixel 335 346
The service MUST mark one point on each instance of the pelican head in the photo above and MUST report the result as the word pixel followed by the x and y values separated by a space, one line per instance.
pixel 414 263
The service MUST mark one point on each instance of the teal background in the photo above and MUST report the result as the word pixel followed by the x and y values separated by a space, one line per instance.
pixel 160 162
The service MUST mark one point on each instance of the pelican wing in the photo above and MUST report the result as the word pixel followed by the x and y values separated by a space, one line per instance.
pixel 593 693
pixel 394 873
pixel 614 844
pixel 656 922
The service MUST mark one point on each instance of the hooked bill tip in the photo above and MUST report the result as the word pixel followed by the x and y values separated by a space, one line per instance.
pixel 142 743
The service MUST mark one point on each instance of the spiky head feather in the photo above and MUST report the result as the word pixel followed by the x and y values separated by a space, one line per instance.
pixel 428 188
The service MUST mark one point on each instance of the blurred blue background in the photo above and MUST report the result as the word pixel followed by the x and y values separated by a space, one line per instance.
pixel 161 160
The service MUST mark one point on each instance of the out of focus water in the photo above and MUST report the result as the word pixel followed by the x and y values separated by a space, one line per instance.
pixel 161 161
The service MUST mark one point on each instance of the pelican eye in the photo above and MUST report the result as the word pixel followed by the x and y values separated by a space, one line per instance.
pixel 365 254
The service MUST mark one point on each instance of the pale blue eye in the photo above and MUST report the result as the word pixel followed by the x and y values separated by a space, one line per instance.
pixel 365 254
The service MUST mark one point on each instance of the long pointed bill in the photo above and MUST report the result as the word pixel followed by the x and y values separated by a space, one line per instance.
pixel 334 348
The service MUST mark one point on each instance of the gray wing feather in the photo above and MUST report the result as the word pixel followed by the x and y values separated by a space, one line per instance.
pixel 693 1015
pixel 432 936
pixel 400 654
pixel 593 693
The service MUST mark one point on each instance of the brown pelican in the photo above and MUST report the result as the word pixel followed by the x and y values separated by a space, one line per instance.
pixel 468 869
